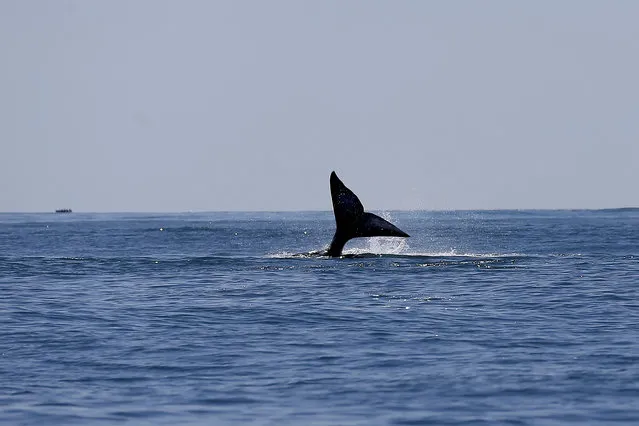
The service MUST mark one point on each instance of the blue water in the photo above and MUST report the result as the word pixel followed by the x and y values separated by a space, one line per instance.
pixel 501 317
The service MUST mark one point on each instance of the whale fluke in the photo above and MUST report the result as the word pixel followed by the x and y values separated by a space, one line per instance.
pixel 352 221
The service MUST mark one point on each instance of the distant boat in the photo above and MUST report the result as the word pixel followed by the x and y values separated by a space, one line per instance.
pixel 64 211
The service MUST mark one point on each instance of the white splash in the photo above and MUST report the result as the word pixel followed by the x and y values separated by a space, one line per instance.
pixel 387 245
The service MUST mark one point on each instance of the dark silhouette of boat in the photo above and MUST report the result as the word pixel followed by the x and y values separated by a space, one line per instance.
pixel 64 211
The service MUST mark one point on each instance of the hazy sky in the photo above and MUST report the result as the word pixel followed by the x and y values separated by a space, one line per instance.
pixel 153 105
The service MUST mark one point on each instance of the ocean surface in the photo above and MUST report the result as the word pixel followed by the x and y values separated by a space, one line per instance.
pixel 480 318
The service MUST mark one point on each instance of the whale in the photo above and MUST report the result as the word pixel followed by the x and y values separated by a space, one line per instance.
pixel 351 221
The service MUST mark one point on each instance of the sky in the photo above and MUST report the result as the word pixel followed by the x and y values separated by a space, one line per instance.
pixel 164 106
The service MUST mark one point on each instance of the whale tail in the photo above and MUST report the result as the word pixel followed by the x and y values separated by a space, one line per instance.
pixel 352 221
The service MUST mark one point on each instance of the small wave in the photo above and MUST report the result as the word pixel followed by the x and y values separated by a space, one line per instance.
pixel 453 253
pixel 360 253
pixel 291 255
pixel 620 210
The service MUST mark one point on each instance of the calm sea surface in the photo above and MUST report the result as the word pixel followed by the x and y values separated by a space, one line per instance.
pixel 504 317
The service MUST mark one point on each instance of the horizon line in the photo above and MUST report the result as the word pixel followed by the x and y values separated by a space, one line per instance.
pixel 317 210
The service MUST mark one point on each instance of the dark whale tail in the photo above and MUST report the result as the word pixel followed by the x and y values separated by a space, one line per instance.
pixel 352 221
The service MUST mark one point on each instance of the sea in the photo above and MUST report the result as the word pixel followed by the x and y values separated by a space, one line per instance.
pixel 207 318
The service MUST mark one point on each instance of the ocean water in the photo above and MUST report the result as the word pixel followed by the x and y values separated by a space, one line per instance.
pixel 481 317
